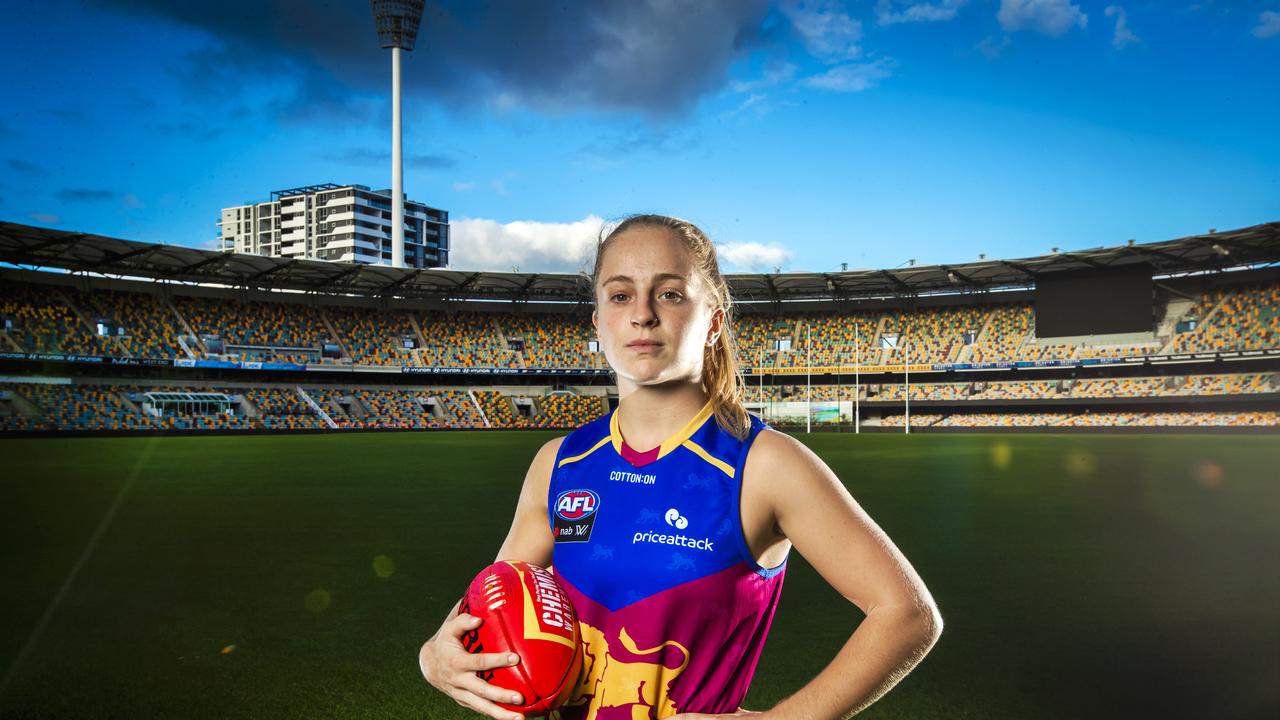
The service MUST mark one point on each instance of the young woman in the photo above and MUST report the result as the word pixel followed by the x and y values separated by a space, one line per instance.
pixel 676 573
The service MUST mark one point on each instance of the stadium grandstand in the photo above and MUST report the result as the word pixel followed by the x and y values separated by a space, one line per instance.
pixel 101 335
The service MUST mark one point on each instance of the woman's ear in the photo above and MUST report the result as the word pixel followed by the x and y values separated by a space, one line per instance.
pixel 595 320
pixel 717 326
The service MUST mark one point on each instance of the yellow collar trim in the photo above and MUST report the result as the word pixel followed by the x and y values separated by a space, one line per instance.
pixel 724 467
pixel 670 443
pixel 576 458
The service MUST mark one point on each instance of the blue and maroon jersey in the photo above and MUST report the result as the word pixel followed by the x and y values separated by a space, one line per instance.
pixel 674 609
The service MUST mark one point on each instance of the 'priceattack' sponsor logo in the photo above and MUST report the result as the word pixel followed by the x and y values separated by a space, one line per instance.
pixel 680 522
pixel 706 544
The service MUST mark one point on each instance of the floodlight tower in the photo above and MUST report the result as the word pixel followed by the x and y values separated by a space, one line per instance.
pixel 397 23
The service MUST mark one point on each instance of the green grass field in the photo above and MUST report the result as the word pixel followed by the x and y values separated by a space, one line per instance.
pixel 1080 576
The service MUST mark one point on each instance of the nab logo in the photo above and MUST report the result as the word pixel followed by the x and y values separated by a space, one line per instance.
pixel 577 504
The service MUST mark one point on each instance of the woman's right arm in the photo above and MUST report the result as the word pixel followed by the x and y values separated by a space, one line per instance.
pixel 444 662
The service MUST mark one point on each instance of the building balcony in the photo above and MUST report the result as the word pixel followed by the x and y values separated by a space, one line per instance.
pixel 350 243
pixel 370 232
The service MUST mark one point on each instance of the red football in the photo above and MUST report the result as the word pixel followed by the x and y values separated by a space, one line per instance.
pixel 527 612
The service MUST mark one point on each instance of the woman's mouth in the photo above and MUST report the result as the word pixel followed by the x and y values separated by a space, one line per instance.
pixel 642 345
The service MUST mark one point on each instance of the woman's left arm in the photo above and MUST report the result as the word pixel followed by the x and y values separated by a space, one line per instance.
pixel 824 523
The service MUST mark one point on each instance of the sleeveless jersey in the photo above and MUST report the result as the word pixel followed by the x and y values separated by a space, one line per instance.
pixel 673 607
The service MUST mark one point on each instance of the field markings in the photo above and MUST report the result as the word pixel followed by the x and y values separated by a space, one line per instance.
pixel 89 547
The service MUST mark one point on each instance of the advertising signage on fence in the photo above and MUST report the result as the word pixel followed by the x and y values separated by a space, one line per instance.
pixel 90 359
pixel 597 372
pixel 229 365
pixel 413 370
pixel 980 366
pixel 846 369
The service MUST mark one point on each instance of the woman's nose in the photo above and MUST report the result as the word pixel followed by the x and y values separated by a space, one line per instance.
pixel 644 316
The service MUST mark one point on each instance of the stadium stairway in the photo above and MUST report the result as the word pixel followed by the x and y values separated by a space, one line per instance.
pixel 245 407
pixel 357 410
pixel 476 401
pixel 1174 310
pixel 967 350
pixel 880 328
pixel 502 342
pixel 422 340
pixel 22 404
pixel 1167 348
pixel 200 350
pixel 186 348
pixel 111 344
pixel 337 338
pixel 315 406
pixel 123 397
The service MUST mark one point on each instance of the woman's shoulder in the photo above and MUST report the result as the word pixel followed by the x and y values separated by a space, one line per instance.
pixel 777 454
pixel 547 453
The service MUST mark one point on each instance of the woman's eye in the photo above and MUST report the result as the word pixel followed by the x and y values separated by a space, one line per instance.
pixel 673 295
pixel 615 297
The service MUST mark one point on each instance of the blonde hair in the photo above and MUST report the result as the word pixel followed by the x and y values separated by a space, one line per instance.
pixel 721 376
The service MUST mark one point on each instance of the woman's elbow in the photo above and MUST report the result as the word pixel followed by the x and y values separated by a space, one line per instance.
pixel 931 619
pixel 924 622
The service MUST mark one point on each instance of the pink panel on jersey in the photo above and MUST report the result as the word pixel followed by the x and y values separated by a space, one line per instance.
pixel 690 648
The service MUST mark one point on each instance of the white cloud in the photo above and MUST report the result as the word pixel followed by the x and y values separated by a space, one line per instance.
pixel 504 103
pixel 991 48
pixel 755 102
pixel 1268 24
pixel 852 77
pixel 752 257
pixel 478 244
pixel 773 75
pixel 827 30
pixel 1124 35
pixel 916 11
pixel 1050 17
pixel 461 187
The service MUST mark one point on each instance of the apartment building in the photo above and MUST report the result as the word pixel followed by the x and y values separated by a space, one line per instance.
pixel 346 223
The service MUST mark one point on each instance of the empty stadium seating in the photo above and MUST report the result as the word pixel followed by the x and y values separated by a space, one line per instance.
pixel 53 319
pixel 70 318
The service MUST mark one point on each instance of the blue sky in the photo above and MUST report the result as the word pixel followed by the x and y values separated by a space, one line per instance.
pixel 800 135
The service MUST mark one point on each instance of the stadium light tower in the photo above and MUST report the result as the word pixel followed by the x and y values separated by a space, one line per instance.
pixel 397 22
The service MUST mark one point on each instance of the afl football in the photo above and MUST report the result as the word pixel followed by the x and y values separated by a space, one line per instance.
pixel 525 611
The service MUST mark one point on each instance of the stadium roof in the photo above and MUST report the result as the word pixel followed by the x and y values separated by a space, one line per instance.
pixel 40 248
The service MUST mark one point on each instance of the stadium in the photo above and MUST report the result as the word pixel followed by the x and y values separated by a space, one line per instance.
pixel 301 428
pixel 131 337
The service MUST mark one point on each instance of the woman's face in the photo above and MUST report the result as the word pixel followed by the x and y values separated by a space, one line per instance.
pixel 654 316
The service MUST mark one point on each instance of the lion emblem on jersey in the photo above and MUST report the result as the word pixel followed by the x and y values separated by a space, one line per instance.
pixel 613 689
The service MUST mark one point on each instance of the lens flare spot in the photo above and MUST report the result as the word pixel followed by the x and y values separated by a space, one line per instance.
pixel 229 649
pixel 1079 463
pixel 1210 475
pixel 317 600
pixel 1001 455
pixel 383 566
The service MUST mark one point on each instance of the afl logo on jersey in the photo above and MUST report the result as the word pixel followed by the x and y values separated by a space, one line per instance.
pixel 575 515
pixel 577 504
